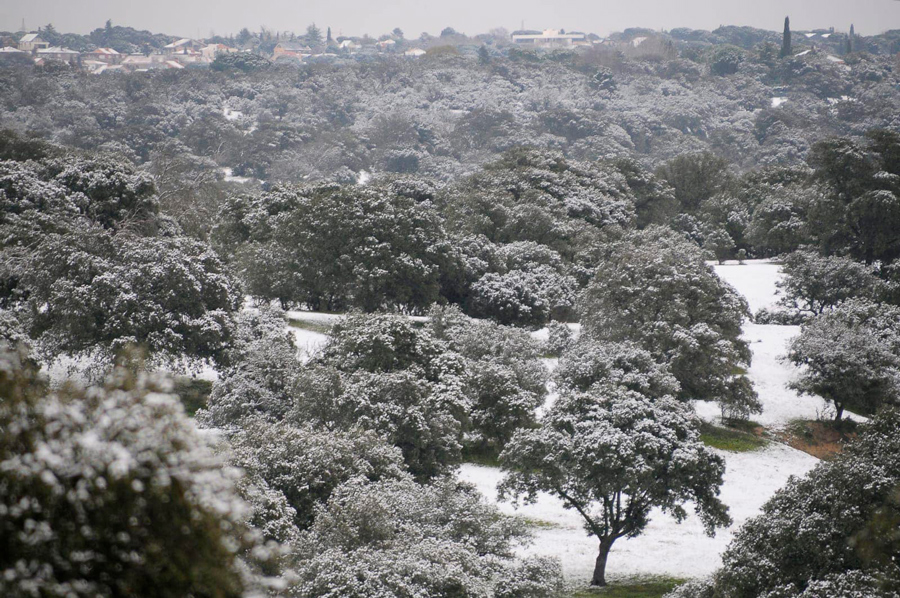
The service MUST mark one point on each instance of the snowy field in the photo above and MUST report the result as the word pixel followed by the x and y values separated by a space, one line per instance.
pixel 667 548
pixel 770 372
pixel 307 340
pixel 683 550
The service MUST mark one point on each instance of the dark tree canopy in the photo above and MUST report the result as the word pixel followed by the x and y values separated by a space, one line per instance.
pixel 335 248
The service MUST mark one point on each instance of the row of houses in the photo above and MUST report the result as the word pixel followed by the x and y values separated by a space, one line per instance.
pixel 297 51
pixel 188 52
pixel 177 55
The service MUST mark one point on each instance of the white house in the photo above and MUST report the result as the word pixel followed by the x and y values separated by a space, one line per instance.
pixel 549 38
pixel 415 52
pixel 183 46
pixel 31 42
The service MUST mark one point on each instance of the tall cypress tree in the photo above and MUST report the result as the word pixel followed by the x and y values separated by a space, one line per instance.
pixel 786 40
pixel 851 45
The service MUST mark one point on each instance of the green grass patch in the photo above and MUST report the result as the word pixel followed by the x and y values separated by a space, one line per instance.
pixel 194 393
pixel 730 439
pixel 485 458
pixel 744 425
pixel 655 587
pixel 539 523
pixel 311 325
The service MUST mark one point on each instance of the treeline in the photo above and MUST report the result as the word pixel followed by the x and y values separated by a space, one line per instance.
pixel 519 240
pixel 446 114
pixel 125 40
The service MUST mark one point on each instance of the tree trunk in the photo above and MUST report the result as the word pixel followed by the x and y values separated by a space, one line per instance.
pixel 599 578
pixel 839 410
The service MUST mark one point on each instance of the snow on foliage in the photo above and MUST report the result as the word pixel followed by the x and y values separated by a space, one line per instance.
pixel 109 271
pixel 612 455
pixel 305 465
pixel 503 372
pixel 381 373
pixel 110 490
pixel 851 356
pixel 589 363
pixel 814 283
pixel 832 531
pixel 400 538
pixel 261 376
pixel 656 290
pixel 333 248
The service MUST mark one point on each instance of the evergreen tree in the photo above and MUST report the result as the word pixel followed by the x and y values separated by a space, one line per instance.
pixel 313 36
pixel 850 41
pixel 484 55
pixel 786 40
pixel 328 38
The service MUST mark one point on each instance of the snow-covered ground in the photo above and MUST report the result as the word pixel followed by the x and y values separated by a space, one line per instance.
pixel 756 280
pixel 543 334
pixel 684 550
pixel 665 547
pixel 770 372
pixel 307 340
pixel 328 318
pixel 232 178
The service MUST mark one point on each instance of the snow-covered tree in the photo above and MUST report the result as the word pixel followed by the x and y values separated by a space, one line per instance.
pixel 559 338
pixel 779 223
pixel 108 271
pixel 108 491
pixel 331 247
pixel 260 380
pixel 813 283
pixel 504 375
pixel 851 356
pixel 305 465
pixel 655 290
pixel 381 373
pixel 90 292
pixel 719 243
pixel 400 538
pixel 860 211
pixel 523 297
pixel 590 363
pixel 535 193
pixel 612 455
pixel 695 178
pixel 830 533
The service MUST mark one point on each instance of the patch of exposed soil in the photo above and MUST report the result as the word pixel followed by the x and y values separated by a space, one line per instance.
pixel 821 439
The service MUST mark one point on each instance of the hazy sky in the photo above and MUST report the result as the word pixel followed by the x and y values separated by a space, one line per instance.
pixel 198 18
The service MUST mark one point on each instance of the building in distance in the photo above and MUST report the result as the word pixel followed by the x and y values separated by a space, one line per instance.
pixel 549 38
